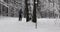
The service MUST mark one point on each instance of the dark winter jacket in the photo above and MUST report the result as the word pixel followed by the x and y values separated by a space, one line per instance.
pixel 20 12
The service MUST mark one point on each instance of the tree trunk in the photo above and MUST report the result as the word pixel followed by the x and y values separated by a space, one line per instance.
pixel 27 12
pixel 34 12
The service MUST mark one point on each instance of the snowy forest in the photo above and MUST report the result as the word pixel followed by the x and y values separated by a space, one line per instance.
pixel 29 15
pixel 44 8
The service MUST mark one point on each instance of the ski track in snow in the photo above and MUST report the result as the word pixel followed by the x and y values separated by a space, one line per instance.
pixel 11 24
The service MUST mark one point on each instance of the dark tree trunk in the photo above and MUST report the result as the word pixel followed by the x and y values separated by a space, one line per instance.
pixel 6 7
pixel 0 9
pixel 34 13
pixel 27 12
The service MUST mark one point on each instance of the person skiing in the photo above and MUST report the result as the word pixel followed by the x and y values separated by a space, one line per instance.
pixel 20 15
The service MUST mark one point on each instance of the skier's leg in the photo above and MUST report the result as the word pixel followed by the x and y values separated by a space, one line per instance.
pixel 19 17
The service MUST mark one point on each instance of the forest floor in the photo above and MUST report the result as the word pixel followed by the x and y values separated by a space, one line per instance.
pixel 11 24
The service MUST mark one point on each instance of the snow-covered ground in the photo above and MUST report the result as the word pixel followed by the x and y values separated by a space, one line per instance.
pixel 11 24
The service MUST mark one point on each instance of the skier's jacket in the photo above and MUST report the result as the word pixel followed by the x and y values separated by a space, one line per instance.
pixel 20 12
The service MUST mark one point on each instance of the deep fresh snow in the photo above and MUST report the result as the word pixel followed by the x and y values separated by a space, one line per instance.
pixel 11 24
